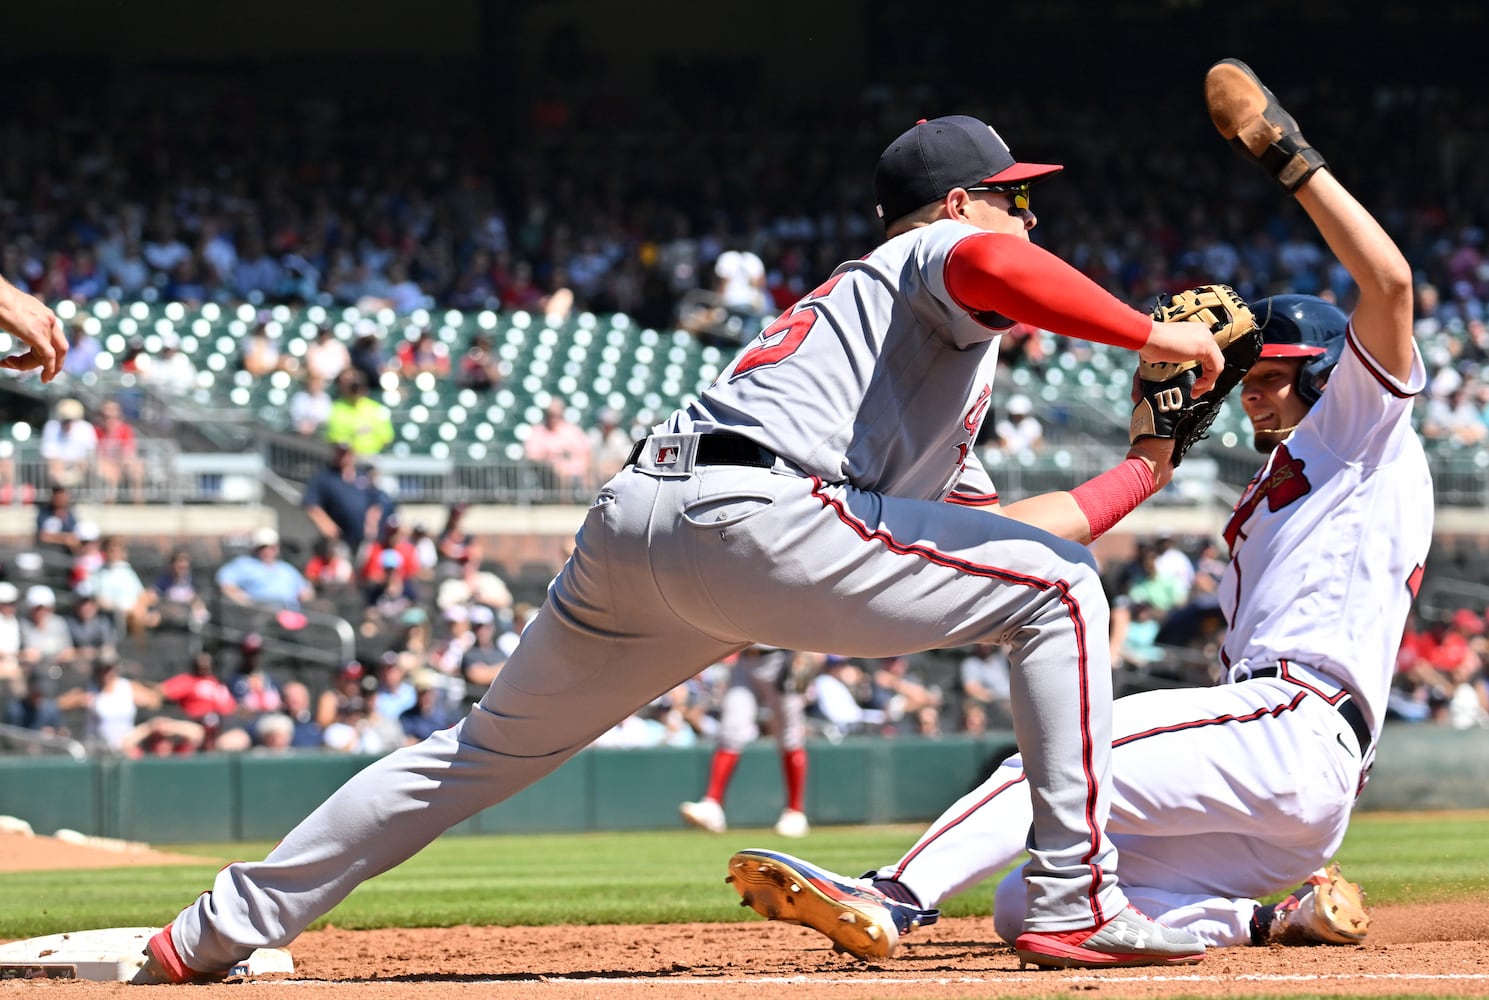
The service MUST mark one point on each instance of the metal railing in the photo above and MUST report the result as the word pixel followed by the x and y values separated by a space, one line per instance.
pixel 15 740
pixel 159 473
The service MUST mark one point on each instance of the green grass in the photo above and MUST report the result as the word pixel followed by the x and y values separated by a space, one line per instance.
pixel 650 877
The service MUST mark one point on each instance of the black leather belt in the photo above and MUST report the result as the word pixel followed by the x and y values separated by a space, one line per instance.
pixel 720 448
pixel 1345 706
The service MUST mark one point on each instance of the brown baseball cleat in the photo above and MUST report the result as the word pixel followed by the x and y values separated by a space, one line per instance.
pixel 1326 909
pixel 1249 117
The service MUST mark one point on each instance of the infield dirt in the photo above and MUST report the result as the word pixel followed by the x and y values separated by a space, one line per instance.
pixel 1420 950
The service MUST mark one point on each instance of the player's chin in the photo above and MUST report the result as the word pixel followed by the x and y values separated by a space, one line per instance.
pixel 1265 441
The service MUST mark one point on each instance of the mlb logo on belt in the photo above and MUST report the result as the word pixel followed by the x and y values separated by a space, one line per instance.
pixel 667 454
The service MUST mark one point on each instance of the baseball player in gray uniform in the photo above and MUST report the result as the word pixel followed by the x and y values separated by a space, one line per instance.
pixel 819 495
pixel 1229 794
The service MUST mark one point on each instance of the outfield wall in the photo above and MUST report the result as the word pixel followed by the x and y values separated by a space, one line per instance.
pixel 222 797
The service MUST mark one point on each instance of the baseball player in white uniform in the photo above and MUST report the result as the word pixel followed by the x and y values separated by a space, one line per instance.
pixel 820 495
pixel 1227 794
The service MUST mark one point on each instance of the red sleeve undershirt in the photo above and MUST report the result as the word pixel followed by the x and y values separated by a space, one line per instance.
pixel 1008 275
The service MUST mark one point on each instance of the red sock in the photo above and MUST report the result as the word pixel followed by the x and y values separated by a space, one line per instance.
pixel 720 770
pixel 794 767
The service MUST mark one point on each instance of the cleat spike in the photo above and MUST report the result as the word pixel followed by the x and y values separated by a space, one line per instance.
pixel 848 917
pixel 795 887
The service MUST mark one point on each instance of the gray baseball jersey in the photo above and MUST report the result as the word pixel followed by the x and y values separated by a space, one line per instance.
pixel 870 391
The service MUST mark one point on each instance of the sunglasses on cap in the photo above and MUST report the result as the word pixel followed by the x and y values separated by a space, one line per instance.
pixel 1018 194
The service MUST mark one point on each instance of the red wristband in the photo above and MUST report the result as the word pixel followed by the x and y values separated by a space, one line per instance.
pixel 1114 494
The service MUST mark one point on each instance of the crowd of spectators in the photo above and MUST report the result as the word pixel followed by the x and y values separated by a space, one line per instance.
pixel 322 201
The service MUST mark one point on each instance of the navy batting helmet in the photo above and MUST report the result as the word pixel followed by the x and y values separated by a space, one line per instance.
pixel 1302 326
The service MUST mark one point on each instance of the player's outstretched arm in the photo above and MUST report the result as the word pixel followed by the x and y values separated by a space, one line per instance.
pixel 1250 117
pixel 1091 509
pixel 1383 316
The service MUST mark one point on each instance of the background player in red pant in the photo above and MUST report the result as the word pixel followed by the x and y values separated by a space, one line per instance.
pixel 773 678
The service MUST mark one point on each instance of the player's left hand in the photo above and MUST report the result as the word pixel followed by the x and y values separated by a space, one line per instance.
pixel 28 320
pixel 1165 392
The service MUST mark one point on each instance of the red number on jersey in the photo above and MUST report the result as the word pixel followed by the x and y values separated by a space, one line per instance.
pixel 795 324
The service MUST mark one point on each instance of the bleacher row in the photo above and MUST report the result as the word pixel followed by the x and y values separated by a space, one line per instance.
pixel 595 362
pixel 591 362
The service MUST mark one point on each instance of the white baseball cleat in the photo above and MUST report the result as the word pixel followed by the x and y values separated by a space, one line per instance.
pixel 793 823
pixel 705 814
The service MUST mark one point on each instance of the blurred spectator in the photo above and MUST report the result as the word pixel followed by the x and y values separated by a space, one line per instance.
pixel 338 500
pixel 1018 432
pixel 473 586
pixel 273 731
pixel 427 715
pixel 82 350
pixel 45 639
pixel 425 549
pixel 92 634
pixel 10 639
pixel 330 566
pixel 308 734
pixel 483 659
pixel 453 542
pixel 163 736
pixel 739 278
pixel 841 695
pixel 118 454
pixel 326 357
pixel 56 524
pixel 169 369
pixel 251 685
pixel 1171 562
pixel 178 602
pixel 393 593
pixel 310 406
pixel 424 354
pixel 201 694
pixel 69 445
pixel 1455 419
pixel 260 355
pixel 89 557
pixel 984 678
pixel 479 369
pixel 37 709
pixel 562 446
pixel 262 578
pixel 366 355
pixel 1151 587
pixel 1135 625
pixel 395 538
pixel 120 591
pixel 899 693
pixel 345 694
pixel 609 445
pixel 357 420
pixel 111 702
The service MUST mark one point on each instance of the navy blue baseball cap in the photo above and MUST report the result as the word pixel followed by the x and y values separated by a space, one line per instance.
pixel 934 156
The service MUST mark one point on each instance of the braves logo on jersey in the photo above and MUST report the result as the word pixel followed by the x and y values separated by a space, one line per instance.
pixel 1282 484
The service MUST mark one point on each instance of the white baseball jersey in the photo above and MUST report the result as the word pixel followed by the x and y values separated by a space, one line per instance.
pixel 876 378
pixel 1211 810
pixel 1307 580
